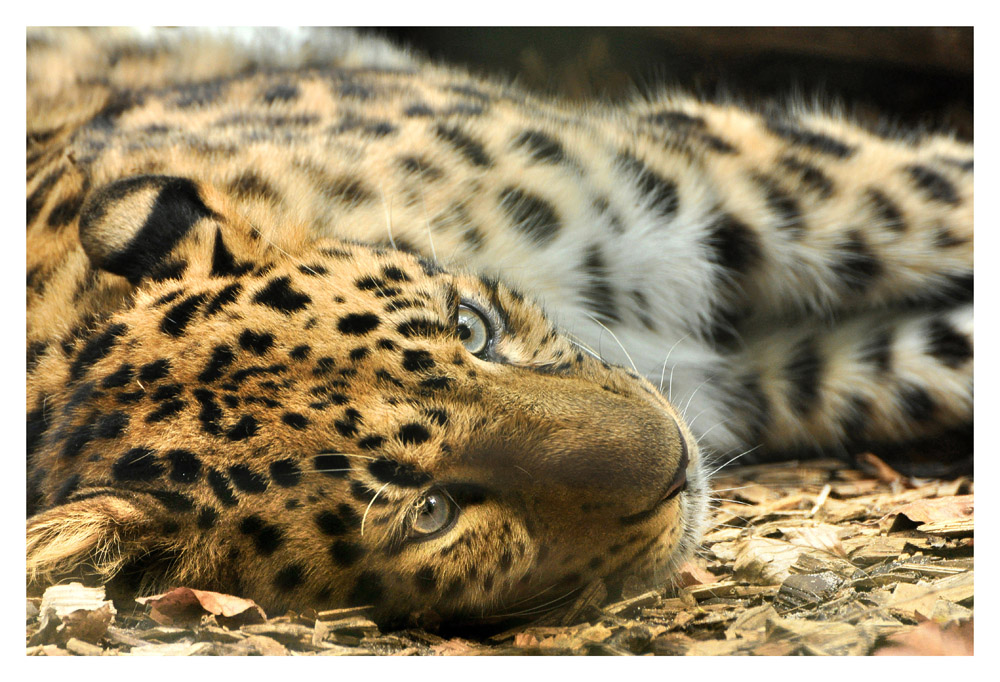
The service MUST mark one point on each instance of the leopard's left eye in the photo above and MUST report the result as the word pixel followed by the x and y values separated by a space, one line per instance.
pixel 473 329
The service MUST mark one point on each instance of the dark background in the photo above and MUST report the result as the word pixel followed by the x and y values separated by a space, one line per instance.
pixel 914 77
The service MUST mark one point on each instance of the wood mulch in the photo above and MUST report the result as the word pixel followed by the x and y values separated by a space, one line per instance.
pixel 807 558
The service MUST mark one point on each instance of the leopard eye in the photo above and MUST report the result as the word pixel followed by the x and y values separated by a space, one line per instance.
pixel 473 329
pixel 432 514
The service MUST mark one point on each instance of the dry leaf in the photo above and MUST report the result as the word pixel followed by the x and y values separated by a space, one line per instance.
pixel 185 605
pixel 935 510
pixel 763 561
pixel 822 536
pixel 930 639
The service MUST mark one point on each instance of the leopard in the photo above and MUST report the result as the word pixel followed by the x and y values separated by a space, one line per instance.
pixel 316 321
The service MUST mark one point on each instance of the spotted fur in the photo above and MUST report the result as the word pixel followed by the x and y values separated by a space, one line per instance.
pixel 246 370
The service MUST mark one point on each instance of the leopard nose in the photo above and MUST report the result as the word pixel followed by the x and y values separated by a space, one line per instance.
pixel 605 444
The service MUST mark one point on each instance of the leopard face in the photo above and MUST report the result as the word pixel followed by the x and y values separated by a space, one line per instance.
pixel 323 423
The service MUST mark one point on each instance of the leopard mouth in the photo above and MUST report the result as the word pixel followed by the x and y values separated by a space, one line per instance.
pixel 679 482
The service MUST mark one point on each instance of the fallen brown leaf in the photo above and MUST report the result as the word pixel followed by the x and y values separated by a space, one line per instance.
pixel 930 639
pixel 185 605
pixel 934 510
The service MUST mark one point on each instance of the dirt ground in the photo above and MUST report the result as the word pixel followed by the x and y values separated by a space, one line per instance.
pixel 802 559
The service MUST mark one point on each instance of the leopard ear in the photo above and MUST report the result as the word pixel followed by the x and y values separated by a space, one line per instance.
pixel 97 536
pixel 130 227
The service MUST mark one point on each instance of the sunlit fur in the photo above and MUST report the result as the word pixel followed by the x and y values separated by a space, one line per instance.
pixel 790 283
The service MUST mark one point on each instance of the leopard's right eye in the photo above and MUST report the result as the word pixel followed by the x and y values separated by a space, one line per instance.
pixel 473 329
pixel 432 514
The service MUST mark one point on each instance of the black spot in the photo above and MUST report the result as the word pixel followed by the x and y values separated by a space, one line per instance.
pixel 173 501
pixel 346 428
pixel 785 206
pixel 97 348
pixel 324 365
pixel 886 211
pixel 435 383
pixel 420 166
pixel 421 326
pixel 810 176
pixel 224 264
pixel 177 208
pixel 386 377
pixel 413 434
pixel 803 371
pixel 313 270
pixel 167 392
pixel 349 191
pixel 177 318
pixel 165 410
pixel 290 577
pixel 244 428
pixel 36 200
pixel 207 518
pixel 358 354
pixel 346 553
pixel 332 464
pixel 246 480
pixel 439 416
pixel 472 150
pixel 222 357
pixel 878 350
pixel 733 244
pixel 279 294
pixel 119 377
pixel 138 464
pixel 282 92
pixel 818 142
pixel 167 298
pixel 111 425
pixel 295 420
pixel 210 413
pixel 661 191
pixel 77 440
pixel 857 266
pixel 415 110
pixel 154 371
pixel 916 403
pixel 65 211
pixel 935 186
pixel 947 345
pixel 299 352
pixel 285 472
pixel 226 296
pixel 425 579
pixel 256 343
pixel 599 295
pixel 397 473
pixel 330 523
pixel 417 360
pixel 368 283
pixel 185 466
pixel 221 488
pixel 394 274
pixel 530 214
pixel 542 147
pixel 367 589
pixel 358 323
pixel 371 442
pixel 267 537
pixel 366 495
